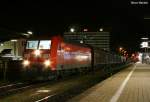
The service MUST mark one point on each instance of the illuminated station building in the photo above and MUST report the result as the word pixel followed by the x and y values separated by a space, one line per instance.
pixel 94 39
pixel 144 55
pixel 14 47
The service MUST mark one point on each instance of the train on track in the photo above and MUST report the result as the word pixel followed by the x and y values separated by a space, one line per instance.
pixel 53 57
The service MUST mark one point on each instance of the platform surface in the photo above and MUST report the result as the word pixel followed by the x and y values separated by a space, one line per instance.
pixel 129 85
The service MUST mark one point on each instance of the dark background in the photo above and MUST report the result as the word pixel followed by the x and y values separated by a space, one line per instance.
pixel 125 21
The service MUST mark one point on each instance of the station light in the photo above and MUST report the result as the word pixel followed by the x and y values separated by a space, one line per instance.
pixel 120 48
pixel 72 30
pixel 1 44
pixel 133 55
pixel 85 30
pixel 101 29
pixel 13 40
pixel 125 51
pixel 144 38
pixel 30 32
pixel 144 44
pixel 81 41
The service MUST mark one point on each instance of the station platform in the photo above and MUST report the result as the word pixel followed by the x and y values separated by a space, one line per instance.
pixel 129 85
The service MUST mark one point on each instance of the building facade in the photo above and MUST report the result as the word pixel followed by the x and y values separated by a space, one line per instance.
pixel 94 39
pixel 17 46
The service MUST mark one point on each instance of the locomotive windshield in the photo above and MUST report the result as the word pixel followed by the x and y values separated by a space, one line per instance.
pixel 32 44
pixel 44 44
pixel 38 44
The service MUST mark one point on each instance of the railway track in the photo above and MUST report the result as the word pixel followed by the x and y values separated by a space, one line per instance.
pixel 17 87
pixel 6 89
pixel 52 91
pixel 9 86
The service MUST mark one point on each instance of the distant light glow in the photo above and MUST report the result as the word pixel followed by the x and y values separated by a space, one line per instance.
pixel 81 41
pixel 145 38
pixel 1 44
pixel 144 44
pixel 120 48
pixel 101 29
pixel 26 34
pixel 133 55
pixel 72 30
pixel 13 40
pixel 125 51
pixel 85 30
pixel 30 32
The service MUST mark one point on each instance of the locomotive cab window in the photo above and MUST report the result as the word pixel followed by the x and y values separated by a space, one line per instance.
pixel 32 44
pixel 44 44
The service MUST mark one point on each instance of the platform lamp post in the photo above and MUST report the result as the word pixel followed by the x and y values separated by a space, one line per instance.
pixel 28 33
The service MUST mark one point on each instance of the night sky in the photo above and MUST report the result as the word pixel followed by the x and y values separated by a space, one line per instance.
pixel 125 21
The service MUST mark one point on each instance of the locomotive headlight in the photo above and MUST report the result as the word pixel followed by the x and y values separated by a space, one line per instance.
pixel 47 63
pixel 37 52
pixel 26 63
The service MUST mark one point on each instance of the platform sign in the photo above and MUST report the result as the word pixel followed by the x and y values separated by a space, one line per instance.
pixel 144 44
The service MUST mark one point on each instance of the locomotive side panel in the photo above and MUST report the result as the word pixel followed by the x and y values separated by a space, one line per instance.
pixel 72 56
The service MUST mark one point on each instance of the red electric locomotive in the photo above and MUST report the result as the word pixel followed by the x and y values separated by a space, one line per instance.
pixel 56 54
pixel 55 57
